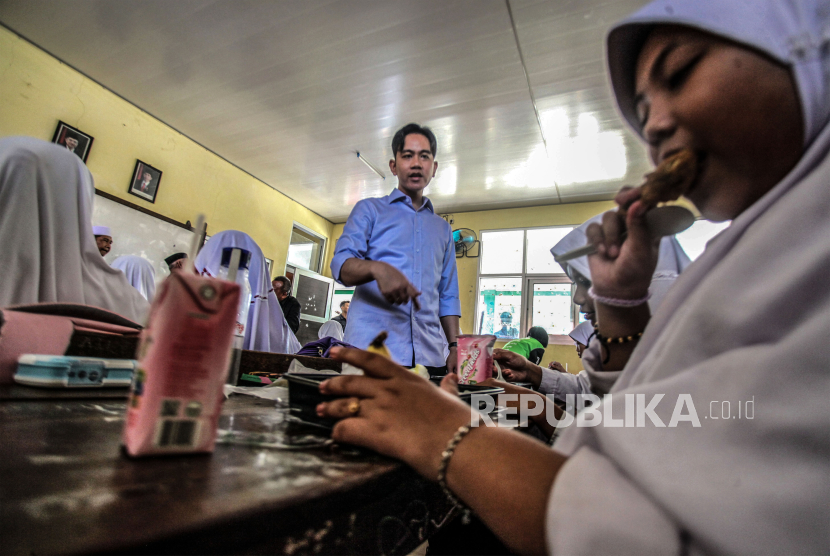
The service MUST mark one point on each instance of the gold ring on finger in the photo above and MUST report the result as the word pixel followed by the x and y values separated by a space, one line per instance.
pixel 354 408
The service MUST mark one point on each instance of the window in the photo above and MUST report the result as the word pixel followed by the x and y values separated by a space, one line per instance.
pixel 305 249
pixel 520 285
pixel 695 238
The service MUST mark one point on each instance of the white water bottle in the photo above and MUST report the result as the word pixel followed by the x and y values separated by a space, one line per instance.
pixel 234 268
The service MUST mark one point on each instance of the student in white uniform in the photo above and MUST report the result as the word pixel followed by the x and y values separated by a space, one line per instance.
pixel 49 252
pixel 267 329
pixel 139 272
pixel 671 261
pixel 744 84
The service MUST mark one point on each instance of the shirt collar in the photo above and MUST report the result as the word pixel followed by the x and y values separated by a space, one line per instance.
pixel 398 195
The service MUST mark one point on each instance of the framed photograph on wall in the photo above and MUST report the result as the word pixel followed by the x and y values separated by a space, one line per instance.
pixel 73 139
pixel 146 180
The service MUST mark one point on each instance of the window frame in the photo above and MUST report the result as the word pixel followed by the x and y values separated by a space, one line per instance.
pixel 305 230
pixel 526 279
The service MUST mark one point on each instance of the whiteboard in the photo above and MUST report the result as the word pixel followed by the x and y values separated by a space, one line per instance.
pixel 137 233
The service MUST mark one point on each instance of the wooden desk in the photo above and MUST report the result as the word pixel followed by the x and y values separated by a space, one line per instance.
pixel 65 487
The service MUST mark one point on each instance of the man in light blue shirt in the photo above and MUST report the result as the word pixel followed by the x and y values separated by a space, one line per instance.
pixel 401 257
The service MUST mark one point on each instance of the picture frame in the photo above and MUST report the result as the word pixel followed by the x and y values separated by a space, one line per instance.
pixel 145 181
pixel 75 140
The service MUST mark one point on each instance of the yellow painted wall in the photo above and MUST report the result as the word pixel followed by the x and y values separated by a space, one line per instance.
pixel 37 90
pixel 549 215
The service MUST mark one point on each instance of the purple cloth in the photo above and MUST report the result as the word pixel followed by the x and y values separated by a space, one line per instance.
pixel 322 347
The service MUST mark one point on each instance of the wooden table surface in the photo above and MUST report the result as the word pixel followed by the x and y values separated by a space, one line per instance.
pixel 270 486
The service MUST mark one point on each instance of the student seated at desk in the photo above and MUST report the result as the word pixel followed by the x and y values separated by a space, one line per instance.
pixel 267 329
pixel 532 347
pixel 139 272
pixel 581 335
pixel 671 261
pixel 746 86
pixel 49 252
pixel 331 329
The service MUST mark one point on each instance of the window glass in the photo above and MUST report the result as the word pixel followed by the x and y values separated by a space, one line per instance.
pixel 694 239
pixel 539 242
pixel 499 306
pixel 552 307
pixel 502 252
pixel 305 250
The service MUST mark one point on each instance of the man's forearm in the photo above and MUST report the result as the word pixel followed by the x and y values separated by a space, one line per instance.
pixel 356 272
pixel 450 326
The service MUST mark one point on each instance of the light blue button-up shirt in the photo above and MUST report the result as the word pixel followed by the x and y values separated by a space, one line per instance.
pixel 417 243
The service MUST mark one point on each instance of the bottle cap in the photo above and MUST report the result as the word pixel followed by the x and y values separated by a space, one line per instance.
pixel 244 257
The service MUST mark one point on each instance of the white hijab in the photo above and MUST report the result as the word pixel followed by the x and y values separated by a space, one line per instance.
pixel 671 261
pixel 49 252
pixel 267 329
pixel 582 332
pixel 140 274
pixel 331 328
pixel 748 321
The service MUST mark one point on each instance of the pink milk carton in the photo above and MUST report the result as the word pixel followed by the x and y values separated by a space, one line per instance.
pixel 475 358
pixel 183 358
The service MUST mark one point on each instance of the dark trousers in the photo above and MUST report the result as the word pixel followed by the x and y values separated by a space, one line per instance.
pixel 437 371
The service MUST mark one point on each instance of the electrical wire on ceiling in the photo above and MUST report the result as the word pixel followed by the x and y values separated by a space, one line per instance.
pixel 530 88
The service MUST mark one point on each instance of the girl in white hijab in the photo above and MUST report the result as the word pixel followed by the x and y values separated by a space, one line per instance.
pixel 48 250
pixel 671 260
pixel 140 274
pixel 745 85
pixel 332 329
pixel 266 329
pixel 581 335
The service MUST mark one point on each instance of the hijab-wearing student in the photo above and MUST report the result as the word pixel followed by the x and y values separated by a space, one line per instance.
pixel 266 329
pixel 49 252
pixel 581 335
pixel 671 261
pixel 331 329
pixel 140 274
pixel 746 85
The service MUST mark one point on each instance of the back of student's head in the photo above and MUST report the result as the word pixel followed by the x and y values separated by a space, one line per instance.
pixel 49 253
pixel 539 334
pixel 399 139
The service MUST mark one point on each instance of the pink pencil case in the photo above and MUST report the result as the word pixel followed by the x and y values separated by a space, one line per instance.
pixel 183 356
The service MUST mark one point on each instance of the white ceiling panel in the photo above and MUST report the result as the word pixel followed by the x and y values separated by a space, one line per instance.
pixel 288 90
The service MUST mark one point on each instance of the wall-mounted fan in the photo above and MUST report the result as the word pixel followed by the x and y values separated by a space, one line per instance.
pixel 465 241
